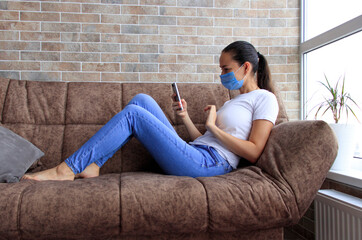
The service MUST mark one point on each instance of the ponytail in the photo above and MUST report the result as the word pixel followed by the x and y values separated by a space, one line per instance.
pixel 263 74
pixel 242 52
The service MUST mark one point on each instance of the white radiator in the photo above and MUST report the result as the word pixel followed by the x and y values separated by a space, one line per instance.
pixel 338 216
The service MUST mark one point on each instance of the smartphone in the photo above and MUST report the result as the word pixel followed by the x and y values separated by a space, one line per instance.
pixel 177 97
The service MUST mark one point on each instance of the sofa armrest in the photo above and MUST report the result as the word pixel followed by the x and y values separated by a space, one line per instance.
pixel 300 154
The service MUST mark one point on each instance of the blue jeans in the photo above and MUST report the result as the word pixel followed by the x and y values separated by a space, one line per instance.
pixel 144 119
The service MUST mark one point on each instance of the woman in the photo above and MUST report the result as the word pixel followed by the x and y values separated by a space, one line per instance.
pixel 239 129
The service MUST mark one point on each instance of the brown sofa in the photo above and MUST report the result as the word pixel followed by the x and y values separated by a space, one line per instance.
pixel 133 199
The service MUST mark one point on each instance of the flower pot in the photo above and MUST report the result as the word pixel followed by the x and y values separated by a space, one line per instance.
pixel 347 137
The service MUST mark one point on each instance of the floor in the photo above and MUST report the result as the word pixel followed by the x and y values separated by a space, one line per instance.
pixel 288 235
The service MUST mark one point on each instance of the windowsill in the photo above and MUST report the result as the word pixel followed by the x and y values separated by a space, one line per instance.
pixel 350 177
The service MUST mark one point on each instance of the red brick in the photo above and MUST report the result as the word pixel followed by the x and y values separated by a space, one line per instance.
pixel 79 1
pixel 178 30
pixel 81 57
pixel 179 68
pixel 195 21
pixel 177 11
pixel 37 16
pixel 101 28
pixel 140 10
pixel 81 37
pixel 60 66
pixel 9 35
pixel 22 26
pixel 195 40
pixel 137 48
pixel 101 67
pixel 158 77
pixel 61 27
pixel 100 47
pixel 23 5
pixel 120 77
pixel 8 15
pixel 119 38
pixel 159 2
pixel 232 3
pixel 214 31
pixel 73 17
pixel 9 55
pixel 60 7
pixel 176 49
pixel 19 66
pixel 119 19
pixel 40 56
pixel 158 39
pixel 117 57
pixel 39 36
pixel 101 8
pixel 20 46
pixel 215 12
pixel 81 76
pixel 64 47
pixel 268 4
pixel 41 76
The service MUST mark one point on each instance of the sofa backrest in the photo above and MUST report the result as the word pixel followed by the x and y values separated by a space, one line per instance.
pixel 58 117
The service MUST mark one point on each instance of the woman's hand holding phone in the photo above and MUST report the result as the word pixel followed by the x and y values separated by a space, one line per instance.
pixel 176 106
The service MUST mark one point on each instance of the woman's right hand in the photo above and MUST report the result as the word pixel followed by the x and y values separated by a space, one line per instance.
pixel 177 108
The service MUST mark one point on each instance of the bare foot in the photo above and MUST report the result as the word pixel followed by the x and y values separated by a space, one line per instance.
pixel 60 172
pixel 91 171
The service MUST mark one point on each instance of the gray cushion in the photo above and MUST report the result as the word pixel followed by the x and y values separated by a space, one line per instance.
pixel 16 155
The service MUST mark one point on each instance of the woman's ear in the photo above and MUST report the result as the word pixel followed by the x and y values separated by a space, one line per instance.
pixel 248 67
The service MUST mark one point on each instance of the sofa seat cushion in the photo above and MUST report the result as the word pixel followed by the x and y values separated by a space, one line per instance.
pixel 10 203
pixel 83 209
pixel 242 200
pixel 154 203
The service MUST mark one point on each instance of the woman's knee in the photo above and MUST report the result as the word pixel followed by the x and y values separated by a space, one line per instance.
pixel 142 98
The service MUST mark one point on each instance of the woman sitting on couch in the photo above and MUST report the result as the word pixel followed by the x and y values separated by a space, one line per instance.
pixel 238 129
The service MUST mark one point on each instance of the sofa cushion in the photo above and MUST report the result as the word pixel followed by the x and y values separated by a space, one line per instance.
pixel 4 82
pixel 80 209
pixel 154 204
pixel 299 154
pixel 92 103
pixel 10 203
pixel 242 200
pixel 16 155
pixel 35 102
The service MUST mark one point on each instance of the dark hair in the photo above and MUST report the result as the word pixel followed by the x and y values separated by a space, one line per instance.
pixel 242 52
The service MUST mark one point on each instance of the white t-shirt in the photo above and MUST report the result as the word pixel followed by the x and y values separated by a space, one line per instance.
pixel 236 117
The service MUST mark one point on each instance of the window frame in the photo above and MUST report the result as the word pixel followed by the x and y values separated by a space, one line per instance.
pixel 337 33
pixel 344 30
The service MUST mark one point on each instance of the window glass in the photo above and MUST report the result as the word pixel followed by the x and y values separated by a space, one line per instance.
pixel 335 61
pixel 323 15
pixel 338 60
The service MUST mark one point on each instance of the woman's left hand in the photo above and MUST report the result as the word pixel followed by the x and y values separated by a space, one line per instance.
pixel 211 119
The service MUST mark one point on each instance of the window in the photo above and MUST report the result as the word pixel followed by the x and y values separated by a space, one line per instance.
pixel 331 46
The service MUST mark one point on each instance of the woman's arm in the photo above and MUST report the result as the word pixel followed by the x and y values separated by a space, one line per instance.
pixel 183 114
pixel 251 149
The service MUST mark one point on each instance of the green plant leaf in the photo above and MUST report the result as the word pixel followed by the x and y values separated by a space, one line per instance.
pixel 338 101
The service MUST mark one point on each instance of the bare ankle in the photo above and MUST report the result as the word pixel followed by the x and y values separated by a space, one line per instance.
pixel 91 171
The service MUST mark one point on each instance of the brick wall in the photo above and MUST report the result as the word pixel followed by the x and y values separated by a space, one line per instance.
pixel 146 40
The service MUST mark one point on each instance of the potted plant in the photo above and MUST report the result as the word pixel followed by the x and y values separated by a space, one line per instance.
pixel 340 102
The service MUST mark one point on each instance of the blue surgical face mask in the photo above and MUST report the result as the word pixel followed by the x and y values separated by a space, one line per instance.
pixel 230 82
